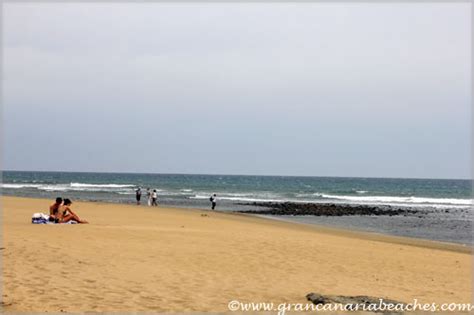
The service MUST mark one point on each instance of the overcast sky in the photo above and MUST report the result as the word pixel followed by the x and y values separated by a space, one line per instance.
pixel 372 90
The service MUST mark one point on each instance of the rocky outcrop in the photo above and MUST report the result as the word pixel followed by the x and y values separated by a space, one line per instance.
pixel 317 209
pixel 359 303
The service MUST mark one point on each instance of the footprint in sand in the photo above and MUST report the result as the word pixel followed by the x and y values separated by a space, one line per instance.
pixel 90 280
pixel 134 291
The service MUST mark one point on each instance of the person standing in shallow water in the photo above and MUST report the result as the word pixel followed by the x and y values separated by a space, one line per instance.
pixel 138 195
pixel 154 198
pixel 148 196
pixel 213 200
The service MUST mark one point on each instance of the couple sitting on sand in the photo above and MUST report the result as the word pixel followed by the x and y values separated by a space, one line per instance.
pixel 60 212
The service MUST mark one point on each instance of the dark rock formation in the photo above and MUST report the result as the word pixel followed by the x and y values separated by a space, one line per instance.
pixel 359 303
pixel 319 209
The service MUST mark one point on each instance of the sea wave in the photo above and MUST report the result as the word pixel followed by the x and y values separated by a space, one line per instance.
pixel 102 185
pixel 54 188
pixel 397 199
pixel 359 197
pixel 71 187
pixel 415 202
pixel 19 186
pixel 308 195
pixel 241 199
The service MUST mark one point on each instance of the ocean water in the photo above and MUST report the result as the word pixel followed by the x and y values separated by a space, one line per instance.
pixel 446 204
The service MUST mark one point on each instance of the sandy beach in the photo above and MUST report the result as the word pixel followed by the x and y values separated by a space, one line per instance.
pixel 163 259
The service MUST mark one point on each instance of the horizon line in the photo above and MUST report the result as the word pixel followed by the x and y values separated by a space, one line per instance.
pixel 249 175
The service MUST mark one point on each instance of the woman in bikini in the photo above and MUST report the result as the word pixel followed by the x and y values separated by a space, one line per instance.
pixel 66 214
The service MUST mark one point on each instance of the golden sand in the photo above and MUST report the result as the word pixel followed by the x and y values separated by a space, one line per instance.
pixel 162 259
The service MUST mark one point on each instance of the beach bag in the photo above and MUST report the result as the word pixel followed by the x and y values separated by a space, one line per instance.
pixel 39 218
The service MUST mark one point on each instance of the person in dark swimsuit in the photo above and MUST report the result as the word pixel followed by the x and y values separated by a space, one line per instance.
pixel 66 214
pixel 138 195
pixel 213 200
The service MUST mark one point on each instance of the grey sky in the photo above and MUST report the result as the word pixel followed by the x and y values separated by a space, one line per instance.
pixel 259 88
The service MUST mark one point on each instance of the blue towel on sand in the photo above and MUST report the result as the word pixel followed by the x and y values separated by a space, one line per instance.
pixel 41 218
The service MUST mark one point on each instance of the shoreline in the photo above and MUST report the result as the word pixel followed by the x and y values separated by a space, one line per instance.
pixel 163 259
pixel 335 230
pixel 380 237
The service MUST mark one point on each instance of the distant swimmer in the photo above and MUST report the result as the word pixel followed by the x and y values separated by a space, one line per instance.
pixel 213 201
pixel 138 195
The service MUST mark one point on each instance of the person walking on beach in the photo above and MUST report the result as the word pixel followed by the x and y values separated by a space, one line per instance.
pixel 148 196
pixel 138 195
pixel 213 201
pixel 154 198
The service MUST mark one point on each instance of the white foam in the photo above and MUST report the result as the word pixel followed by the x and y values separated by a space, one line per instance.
pixel 417 202
pixel 247 199
pixel 19 186
pixel 70 187
pixel 101 185
pixel 199 197
pixel 309 195
pixel 240 195
pixel 53 188
pixel 406 200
